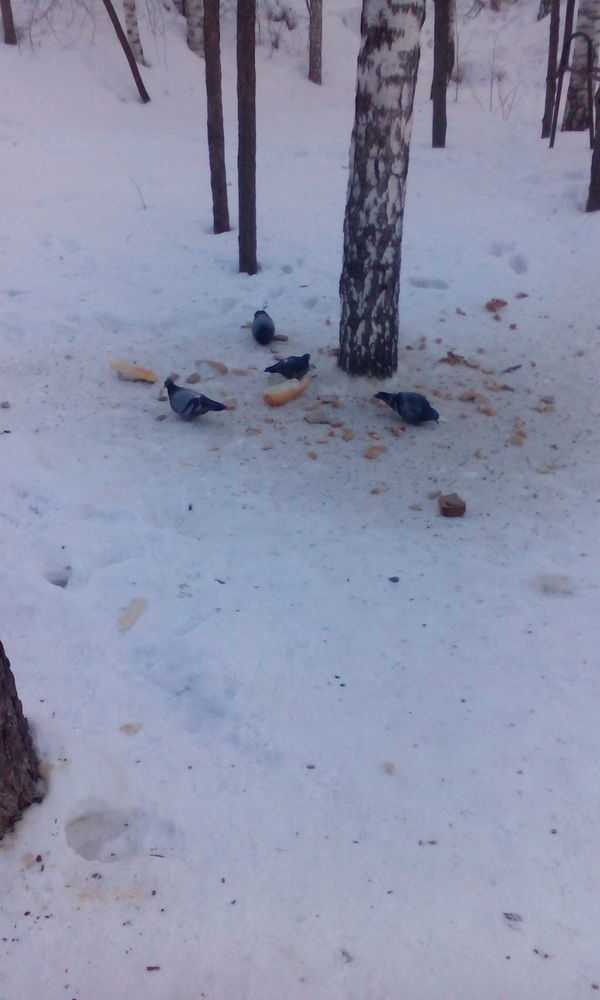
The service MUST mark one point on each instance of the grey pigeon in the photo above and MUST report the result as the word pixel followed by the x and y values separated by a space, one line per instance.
pixel 411 406
pixel 292 367
pixel 263 327
pixel 189 404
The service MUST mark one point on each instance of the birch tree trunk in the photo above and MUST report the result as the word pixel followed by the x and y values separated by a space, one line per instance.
pixel 214 116
pixel 194 14
pixel 315 41
pixel 132 31
pixel 370 281
pixel 19 769
pixel 576 116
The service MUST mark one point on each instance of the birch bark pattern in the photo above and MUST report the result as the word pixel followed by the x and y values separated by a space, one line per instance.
pixel 370 281
pixel 576 116
pixel 19 768
pixel 132 31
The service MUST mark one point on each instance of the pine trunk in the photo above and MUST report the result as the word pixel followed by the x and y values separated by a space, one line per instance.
pixel 132 31
pixel 19 769
pixel 370 281
pixel 214 116
pixel 8 23
pixel 246 96
pixel 576 116
pixel 194 13
pixel 315 41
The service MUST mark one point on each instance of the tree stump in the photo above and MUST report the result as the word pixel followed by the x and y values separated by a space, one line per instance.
pixel 20 779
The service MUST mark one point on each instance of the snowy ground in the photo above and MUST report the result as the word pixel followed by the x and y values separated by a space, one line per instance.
pixel 349 748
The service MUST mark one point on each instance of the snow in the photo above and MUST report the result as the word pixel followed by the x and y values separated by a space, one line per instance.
pixel 339 746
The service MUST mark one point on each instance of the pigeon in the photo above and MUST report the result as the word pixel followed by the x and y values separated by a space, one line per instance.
pixel 411 406
pixel 292 367
pixel 263 327
pixel 189 404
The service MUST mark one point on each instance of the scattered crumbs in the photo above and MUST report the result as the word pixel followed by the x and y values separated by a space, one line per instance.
pixel 389 767
pixel 130 728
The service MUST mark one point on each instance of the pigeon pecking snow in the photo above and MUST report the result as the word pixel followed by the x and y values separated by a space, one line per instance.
pixel 411 406
pixel 263 327
pixel 292 367
pixel 189 404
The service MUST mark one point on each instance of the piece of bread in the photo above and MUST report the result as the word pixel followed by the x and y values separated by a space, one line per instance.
pixel 276 397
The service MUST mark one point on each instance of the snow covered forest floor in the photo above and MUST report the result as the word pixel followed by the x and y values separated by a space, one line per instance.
pixel 348 750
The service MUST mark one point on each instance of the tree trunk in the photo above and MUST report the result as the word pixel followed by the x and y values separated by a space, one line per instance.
pixel 315 41
pixel 576 117
pixel 20 781
pixel 110 10
pixel 370 280
pixel 8 23
pixel 246 96
pixel 554 30
pixel 132 31
pixel 593 202
pixel 194 15
pixel 442 41
pixel 214 116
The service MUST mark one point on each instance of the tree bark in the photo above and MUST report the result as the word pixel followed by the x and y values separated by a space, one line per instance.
pixel 20 781
pixel 442 41
pixel 554 30
pixel 315 41
pixel 576 117
pixel 110 10
pixel 8 23
pixel 246 96
pixel 214 116
pixel 593 202
pixel 370 280
pixel 194 15
pixel 132 31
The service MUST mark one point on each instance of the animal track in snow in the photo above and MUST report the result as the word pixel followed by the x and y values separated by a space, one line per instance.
pixel 105 834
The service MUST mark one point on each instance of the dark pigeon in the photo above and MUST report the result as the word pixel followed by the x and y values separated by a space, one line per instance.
pixel 411 406
pixel 189 404
pixel 263 327
pixel 292 367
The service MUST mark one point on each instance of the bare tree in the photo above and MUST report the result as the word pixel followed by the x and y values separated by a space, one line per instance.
pixel 593 202
pixel 132 31
pixel 576 117
pixel 443 46
pixel 554 30
pixel 194 16
pixel 20 780
pixel 8 23
pixel 315 40
pixel 110 10
pixel 214 116
pixel 246 98
pixel 370 280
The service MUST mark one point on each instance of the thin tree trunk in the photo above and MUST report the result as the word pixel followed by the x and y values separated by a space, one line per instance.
pixel 576 116
pixel 315 41
pixel 554 30
pixel 442 40
pixel 132 31
pixel 144 95
pixel 593 202
pixel 214 116
pixel 194 14
pixel 20 781
pixel 370 280
pixel 8 23
pixel 246 96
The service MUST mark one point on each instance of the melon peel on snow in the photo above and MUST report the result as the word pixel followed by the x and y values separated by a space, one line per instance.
pixel 277 397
